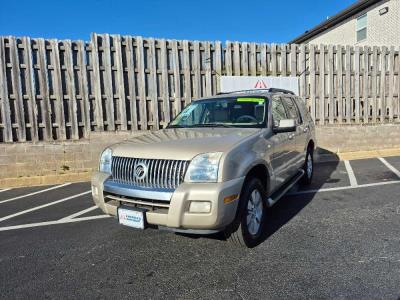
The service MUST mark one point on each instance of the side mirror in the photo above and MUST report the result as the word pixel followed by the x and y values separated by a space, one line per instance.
pixel 286 125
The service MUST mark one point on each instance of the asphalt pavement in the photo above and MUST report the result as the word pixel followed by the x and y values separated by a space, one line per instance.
pixel 337 239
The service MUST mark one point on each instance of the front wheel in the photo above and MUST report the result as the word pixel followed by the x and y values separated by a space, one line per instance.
pixel 248 228
pixel 308 168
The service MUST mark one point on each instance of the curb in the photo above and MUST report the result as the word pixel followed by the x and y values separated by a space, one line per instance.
pixel 44 180
pixel 321 157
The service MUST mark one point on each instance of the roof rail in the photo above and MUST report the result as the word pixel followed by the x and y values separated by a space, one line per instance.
pixel 275 90
pixel 270 90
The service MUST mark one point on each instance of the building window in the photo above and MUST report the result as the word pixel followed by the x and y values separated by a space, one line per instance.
pixel 361 28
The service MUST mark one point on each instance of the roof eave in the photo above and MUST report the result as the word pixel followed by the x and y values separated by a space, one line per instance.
pixel 339 17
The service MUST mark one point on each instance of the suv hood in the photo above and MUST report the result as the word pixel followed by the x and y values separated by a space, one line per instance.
pixel 181 143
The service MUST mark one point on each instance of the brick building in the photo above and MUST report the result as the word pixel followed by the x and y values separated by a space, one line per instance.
pixel 365 23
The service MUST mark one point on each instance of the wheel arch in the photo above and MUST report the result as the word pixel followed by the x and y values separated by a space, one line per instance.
pixel 261 172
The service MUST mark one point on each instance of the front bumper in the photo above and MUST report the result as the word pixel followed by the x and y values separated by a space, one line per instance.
pixel 175 213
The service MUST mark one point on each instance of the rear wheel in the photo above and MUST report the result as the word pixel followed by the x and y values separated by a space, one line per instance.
pixel 248 228
pixel 308 168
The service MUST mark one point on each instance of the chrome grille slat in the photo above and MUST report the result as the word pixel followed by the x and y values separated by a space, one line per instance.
pixel 161 173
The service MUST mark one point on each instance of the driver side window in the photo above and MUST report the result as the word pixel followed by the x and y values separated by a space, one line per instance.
pixel 278 111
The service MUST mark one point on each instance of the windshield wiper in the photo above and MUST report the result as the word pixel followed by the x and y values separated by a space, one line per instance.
pixel 175 126
pixel 202 125
pixel 213 125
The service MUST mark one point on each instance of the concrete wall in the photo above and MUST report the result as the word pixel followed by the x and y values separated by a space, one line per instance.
pixel 48 163
pixel 381 30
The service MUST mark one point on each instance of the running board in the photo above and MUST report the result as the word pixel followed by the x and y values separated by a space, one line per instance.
pixel 287 186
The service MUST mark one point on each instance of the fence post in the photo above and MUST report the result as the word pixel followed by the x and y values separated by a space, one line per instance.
pixel 5 102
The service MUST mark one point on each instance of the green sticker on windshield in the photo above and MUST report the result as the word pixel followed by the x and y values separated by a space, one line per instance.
pixel 257 100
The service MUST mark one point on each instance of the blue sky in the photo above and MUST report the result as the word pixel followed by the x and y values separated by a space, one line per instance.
pixel 250 20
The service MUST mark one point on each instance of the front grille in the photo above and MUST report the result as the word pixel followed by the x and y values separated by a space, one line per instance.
pixel 145 203
pixel 161 173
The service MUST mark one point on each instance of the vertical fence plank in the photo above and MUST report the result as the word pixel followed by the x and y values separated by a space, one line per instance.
pixel 253 59
pixel 130 59
pixel 186 72
pixel 84 88
pixel 142 83
pixel 331 70
pixel 312 82
pixel 208 62
pixel 365 85
pixel 293 60
pixel 283 51
pixel 196 69
pixel 303 70
pixel 5 103
pixel 228 58
pixel 263 57
pixel 120 84
pixel 339 86
pixel 45 93
pixel 322 84
pixel 397 49
pixel 30 88
pixel 348 84
pixel 164 81
pixel 382 85
pixel 107 81
pixel 236 59
pixel 98 109
pixel 274 62
pixel 17 90
pixel 177 77
pixel 58 92
pixel 390 102
pixel 357 84
pixel 245 59
pixel 218 66
pixel 153 83
pixel 374 83
pixel 71 90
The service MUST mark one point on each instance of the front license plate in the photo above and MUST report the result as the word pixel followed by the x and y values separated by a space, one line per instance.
pixel 131 217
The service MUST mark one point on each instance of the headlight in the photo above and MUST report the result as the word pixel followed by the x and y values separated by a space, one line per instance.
pixel 204 168
pixel 105 161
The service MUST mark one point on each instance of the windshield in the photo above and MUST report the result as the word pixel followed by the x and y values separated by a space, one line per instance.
pixel 223 112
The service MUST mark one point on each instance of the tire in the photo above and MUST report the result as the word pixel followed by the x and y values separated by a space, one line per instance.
pixel 248 228
pixel 308 168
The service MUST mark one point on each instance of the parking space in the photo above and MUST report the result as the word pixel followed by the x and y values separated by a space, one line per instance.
pixel 335 239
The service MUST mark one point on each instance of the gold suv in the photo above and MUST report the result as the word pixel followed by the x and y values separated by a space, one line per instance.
pixel 217 167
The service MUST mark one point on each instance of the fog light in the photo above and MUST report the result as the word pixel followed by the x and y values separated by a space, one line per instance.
pixel 95 190
pixel 200 207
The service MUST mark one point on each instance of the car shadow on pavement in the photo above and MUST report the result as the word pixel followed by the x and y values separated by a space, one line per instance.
pixel 289 206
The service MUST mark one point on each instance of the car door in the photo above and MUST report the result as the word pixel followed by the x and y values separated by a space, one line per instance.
pixel 298 135
pixel 283 144
pixel 303 131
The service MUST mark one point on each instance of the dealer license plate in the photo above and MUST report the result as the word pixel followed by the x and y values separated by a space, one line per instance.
pixel 131 217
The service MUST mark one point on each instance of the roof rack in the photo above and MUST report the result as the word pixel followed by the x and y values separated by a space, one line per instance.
pixel 270 90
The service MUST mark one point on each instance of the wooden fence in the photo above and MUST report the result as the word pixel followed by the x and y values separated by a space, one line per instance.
pixel 58 90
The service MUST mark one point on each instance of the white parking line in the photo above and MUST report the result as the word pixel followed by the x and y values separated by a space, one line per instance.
pixel 341 188
pixel 42 206
pixel 53 222
pixel 352 177
pixel 390 167
pixel 79 213
pixel 35 193
pixel 4 190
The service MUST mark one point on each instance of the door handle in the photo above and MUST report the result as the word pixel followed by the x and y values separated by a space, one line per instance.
pixel 291 136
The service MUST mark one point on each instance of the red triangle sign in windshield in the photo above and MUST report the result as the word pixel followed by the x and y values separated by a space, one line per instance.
pixel 260 85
